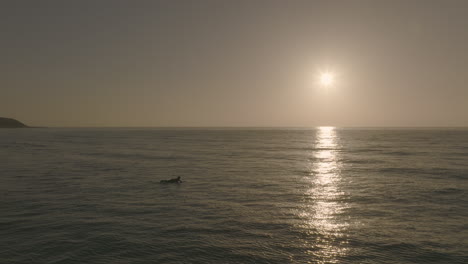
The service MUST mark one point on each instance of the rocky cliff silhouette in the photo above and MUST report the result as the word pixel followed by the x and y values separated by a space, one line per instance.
pixel 10 123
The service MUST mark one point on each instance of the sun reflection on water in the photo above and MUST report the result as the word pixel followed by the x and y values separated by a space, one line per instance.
pixel 324 201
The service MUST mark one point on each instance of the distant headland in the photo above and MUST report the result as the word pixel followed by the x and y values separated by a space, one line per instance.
pixel 10 123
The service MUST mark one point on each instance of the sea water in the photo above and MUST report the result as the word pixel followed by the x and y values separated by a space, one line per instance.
pixel 321 195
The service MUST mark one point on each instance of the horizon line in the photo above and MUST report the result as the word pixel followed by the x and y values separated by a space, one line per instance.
pixel 246 127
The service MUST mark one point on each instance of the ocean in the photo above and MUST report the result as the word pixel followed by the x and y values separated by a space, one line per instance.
pixel 319 195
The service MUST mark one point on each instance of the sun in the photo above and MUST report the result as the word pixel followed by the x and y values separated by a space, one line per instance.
pixel 327 78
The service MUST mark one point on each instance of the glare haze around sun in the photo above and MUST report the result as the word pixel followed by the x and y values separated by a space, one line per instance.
pixel 326 79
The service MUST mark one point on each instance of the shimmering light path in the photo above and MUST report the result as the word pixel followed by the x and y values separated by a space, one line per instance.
pixel 324 200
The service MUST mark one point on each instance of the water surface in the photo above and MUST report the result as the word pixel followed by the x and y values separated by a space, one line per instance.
pixel 325 195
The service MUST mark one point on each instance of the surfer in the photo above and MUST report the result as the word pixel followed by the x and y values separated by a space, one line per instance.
pixel 174 180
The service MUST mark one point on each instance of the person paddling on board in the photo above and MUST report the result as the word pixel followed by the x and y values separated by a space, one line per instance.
pixel 174 180
pixel 177 180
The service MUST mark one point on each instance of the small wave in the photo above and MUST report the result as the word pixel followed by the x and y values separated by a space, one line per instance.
pixel 362 150
pixel 449 191
pixel 398 153
pixel 363 161
pixel 434 172
pixel 134 156
pixel 398 170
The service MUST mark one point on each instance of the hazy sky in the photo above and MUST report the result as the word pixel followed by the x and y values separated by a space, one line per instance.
pixel 234 63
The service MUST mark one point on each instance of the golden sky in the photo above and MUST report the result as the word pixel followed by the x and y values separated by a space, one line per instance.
pixel 234 63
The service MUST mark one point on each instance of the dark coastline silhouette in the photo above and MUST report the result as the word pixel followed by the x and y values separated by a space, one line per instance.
pixel 11 123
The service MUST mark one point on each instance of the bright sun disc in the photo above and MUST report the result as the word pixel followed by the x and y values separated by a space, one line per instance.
pixel 326 79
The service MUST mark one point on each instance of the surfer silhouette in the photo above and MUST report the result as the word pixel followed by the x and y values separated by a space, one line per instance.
pixel 174 180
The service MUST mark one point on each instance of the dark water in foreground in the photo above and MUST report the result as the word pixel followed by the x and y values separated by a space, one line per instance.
pixel 250 196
